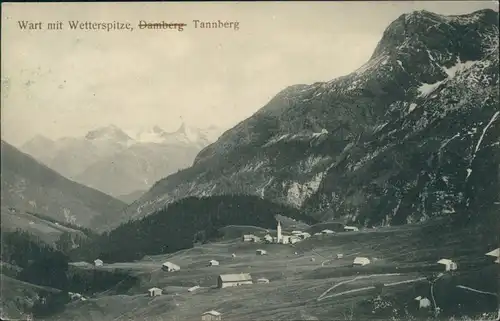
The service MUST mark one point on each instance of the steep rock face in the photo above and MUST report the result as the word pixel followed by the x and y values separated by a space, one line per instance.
pixel 137 167
pixel 379 145
pixel 30 186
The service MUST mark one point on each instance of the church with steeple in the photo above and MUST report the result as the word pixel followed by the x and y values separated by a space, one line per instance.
pixel 279 236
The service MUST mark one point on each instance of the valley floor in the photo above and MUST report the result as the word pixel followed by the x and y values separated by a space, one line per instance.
pixel 302 288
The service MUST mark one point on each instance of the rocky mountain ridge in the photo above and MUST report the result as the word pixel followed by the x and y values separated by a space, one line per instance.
pixel 378 146
pixel 30 186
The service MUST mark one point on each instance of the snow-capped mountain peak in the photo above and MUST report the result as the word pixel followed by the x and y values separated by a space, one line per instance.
pixel 110 132
pixel 185 134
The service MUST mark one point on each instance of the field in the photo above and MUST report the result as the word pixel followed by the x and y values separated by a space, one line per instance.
pixel 47 231
pixel 302 288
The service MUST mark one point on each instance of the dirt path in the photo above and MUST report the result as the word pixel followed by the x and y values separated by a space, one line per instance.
pixel 474 290
pixel 322 296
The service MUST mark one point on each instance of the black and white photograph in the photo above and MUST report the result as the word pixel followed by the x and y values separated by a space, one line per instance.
pixel 250 161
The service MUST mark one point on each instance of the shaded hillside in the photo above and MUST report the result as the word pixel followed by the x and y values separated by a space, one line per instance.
pixel 182 224
pixel 410 135
pixel 39 277
pixel 45 228
pixel 28 185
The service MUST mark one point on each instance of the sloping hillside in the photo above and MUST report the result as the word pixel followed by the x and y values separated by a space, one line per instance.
pixel 410 135
pixel 182 224
pixel 30 186
pixel 309 282
pixel 45 228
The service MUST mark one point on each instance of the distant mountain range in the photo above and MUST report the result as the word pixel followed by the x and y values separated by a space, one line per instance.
pixel 119 162
pixel 29 186
pixel 412 134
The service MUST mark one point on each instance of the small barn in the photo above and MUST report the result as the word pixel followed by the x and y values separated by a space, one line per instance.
pixel 261 252
pixel 228 280
pixel 294 239
pixel 449 264
pixel 213 263
pixel 155 291
pixel 350 228
pixel 233 255
pixel 313 259
pixel 327 232
pixel 98 262
pixel 360 261
pixel 211 316
pixel 268 238
pixel 194 288
pixel 340 256
pixel 495 253
pixel 262 280
pixel 423 302
pixel 170 267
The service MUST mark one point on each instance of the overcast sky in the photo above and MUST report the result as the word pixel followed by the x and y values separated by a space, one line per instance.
pixel 64 83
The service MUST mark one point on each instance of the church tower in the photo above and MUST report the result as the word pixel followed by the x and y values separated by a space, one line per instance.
pixel 279 237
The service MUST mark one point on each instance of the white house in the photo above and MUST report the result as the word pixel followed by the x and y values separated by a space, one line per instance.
pixel 423 302
pixel 228 280
pixel 361 261
pixel 170 267
pixel 495 253
pixel 296 232
pixel 350 228
pixel 294 239
pixel 268 238
pixel 327 232
pixel 211 316
pixel 233 255
pixel 304 235
pixel 75 296
pixel 261 252
pixel 262 280
pixel 98 262
pixel 285 239
pixel 155 291
pixel 278 232
pixel 317 234
pixel 449 264
pixel 194 288
pixel 340 255
pixel 213 263
pixel 248 238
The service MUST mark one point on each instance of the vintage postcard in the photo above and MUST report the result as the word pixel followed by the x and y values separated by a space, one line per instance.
pixel 250 161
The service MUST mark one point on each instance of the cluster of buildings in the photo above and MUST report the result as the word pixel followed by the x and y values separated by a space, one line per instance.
pixel 280 238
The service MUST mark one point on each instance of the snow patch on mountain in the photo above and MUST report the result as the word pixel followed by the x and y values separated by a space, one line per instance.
pixel 426 89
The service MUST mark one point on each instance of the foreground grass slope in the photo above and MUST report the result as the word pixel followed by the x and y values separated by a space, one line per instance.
pixel 308 282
